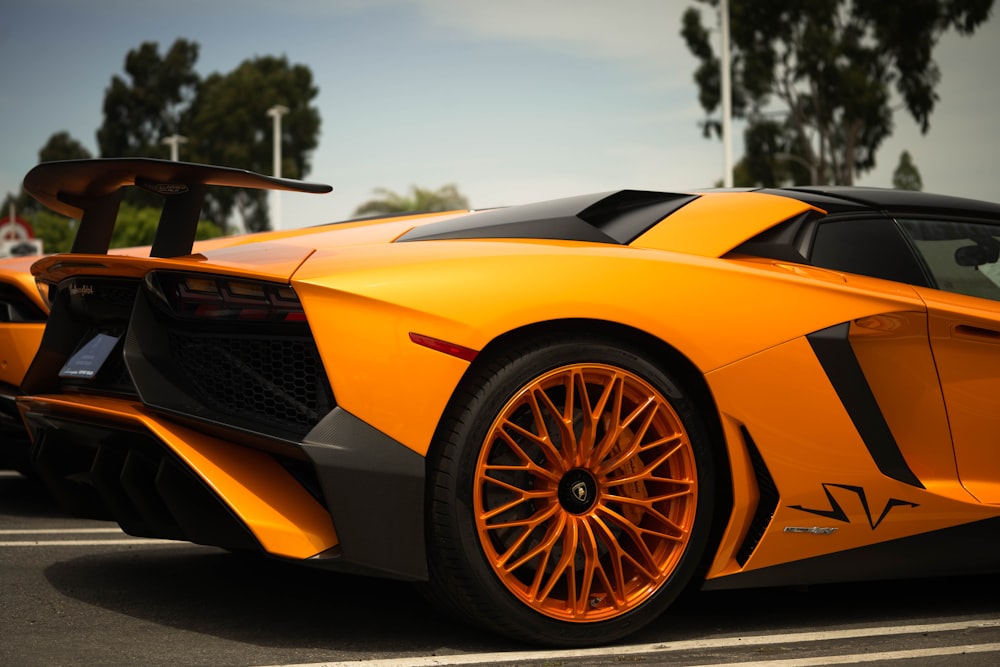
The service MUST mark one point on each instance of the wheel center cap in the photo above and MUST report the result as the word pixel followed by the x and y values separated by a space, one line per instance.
pixel 577 491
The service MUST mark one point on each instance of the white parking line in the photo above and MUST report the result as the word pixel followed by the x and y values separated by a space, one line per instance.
pixel 698 644
pixel 84 543
pixel 58 531
pixel 74 542
pixel 859 658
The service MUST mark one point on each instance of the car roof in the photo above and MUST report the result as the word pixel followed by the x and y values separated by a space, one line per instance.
pixel 846 198
pixel 625 216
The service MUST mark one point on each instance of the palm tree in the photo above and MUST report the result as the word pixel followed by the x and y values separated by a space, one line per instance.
pixel 446 198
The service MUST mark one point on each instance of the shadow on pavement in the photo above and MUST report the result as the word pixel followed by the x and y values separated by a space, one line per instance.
pixel 250 599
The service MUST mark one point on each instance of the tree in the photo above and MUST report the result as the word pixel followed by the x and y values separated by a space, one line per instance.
pixel 446 198
pixel 56 232
pixel 60 146
pixel 223 118
pixel 815 80
pixel 907 176
pixel 229 126
pixel 152 103
pixel 136 226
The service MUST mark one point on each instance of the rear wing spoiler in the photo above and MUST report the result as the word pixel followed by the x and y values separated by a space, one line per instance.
pixel 91 191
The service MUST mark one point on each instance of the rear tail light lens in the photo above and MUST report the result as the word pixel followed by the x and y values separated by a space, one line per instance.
pixel 222 298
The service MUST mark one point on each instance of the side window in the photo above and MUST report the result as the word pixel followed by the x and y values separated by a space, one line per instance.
pixel 867 246
pixel 961 256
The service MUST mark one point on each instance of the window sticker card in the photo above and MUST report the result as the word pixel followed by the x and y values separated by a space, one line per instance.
pixel 87 361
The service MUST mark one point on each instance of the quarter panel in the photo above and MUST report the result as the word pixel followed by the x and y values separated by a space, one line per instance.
pixel 363 304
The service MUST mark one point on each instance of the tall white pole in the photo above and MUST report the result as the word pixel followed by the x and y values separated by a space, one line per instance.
pixel 276 112
pixel 174 140
pixel 727 99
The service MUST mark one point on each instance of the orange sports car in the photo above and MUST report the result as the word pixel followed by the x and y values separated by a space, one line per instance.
pixel 22 320
pixel 554 417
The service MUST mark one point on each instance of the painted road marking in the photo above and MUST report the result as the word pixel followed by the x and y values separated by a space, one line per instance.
pixel 84 543
pixel 712 643
pixel 75 542
pixel 58 531
pixel 857 658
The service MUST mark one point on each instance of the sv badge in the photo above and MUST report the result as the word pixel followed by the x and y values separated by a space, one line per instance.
pixel 837 513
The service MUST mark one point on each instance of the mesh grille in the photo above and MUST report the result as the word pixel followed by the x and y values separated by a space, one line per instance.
pixel 121 295
pixel 277 381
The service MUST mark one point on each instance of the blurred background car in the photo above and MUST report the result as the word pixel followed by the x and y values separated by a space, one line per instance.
pixel 22 321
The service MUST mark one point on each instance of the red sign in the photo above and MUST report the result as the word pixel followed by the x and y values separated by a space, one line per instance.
pixel 15 229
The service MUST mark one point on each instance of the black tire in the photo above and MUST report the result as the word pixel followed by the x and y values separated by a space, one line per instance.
pixel 629 495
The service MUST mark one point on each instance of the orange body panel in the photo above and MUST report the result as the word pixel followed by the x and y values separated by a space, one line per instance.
pixel 18 344
pixel 965 337
pixel 746 214
pixel 282 516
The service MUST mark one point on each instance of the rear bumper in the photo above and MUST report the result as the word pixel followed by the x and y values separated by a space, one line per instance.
pixel 347 497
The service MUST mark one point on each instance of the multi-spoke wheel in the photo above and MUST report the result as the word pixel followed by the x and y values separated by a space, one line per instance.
pixel 572 497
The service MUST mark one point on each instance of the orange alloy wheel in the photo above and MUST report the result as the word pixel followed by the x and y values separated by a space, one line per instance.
pixel 585 492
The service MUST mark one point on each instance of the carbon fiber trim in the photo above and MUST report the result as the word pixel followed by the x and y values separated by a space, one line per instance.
pixel 374 490
pixel 833 349
pixel 103 472
pixel 617 218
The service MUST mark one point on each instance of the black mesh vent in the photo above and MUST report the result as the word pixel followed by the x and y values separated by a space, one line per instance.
pixel 767 504
pixel 121 295
pixel 278 381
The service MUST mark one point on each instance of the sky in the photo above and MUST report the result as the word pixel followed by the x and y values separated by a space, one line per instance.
pixel 513 101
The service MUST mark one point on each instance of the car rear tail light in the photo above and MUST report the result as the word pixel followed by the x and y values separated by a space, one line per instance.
pixel 222 298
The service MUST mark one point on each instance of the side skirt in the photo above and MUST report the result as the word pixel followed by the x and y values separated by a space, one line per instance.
pixel 973 548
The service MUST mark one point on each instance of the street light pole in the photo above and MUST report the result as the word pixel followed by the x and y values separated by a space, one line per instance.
pixel 174 140
pixel 727 99
pixel 276 112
